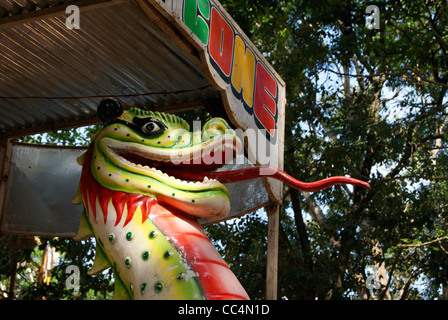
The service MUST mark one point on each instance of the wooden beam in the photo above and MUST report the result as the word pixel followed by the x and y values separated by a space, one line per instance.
pixel 272 255
pixel 54 11
pixel 5 158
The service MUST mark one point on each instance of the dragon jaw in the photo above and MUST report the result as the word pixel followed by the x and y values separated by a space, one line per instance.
pixel 126 160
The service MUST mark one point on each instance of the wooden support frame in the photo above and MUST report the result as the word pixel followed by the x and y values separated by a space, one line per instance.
pixel 5 160
pixel 273 211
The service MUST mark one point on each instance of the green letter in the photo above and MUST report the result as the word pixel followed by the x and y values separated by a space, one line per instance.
pixel 195 19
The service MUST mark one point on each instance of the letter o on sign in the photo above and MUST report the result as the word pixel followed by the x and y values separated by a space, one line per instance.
pixel 221 42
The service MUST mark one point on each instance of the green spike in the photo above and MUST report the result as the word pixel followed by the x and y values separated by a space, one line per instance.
pixel 77 199
pixel 120 291
pixel 101 262
pixel 84 229
pixel 80 159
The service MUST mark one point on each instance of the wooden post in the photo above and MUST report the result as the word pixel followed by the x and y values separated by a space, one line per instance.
pixel 12 280
pixel 272 255
pixel 5 158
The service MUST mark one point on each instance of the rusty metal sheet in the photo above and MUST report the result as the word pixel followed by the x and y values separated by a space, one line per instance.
pixel 51 74
pixel 42 181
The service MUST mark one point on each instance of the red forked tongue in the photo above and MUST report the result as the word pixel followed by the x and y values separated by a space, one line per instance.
pixel 264 171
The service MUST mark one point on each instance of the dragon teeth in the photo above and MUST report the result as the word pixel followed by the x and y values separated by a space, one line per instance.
pixel 184 182
pixel 163 174
pixel 207 179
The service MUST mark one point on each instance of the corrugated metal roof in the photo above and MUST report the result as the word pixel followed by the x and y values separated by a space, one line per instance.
pixel 45 68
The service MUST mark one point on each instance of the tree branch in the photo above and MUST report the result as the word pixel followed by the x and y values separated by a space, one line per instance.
pixel 301 230
pixel 391 272
pixel 405 290
pixel 313 209
pixel 395 72
pixel 409 151
pixel 411 176
pixel 418 245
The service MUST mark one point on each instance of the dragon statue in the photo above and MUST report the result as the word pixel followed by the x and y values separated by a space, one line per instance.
pixel 145 181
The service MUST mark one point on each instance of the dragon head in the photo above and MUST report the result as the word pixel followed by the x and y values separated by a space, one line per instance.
pixel 136 149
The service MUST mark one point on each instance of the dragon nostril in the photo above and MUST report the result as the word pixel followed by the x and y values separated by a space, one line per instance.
pixel 216 125
pixel 109 109
pixel 220 127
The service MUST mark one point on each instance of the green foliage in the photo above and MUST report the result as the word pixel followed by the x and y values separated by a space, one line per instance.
pixel 72 253
pixel 246 258
pixel 73 137
pixel 371 104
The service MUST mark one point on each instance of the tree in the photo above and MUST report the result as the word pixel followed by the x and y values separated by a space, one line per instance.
pixel 372 104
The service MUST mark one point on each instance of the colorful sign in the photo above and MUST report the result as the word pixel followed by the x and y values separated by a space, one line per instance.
pixel 235 62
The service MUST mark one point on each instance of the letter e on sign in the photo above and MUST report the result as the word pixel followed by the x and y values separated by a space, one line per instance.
pixel 265 105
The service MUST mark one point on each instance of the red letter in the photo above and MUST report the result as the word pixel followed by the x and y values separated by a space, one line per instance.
pixel 265 106
pixel 220 44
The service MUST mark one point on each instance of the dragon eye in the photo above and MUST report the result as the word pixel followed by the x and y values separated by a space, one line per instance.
pixel 153 127
pixel 150 127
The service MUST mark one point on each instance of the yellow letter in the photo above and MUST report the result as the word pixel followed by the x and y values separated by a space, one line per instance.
pixel 243 71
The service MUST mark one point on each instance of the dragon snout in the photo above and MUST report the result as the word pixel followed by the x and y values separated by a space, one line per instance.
pixel 216 127
pixel 217 124
pixel 109 109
